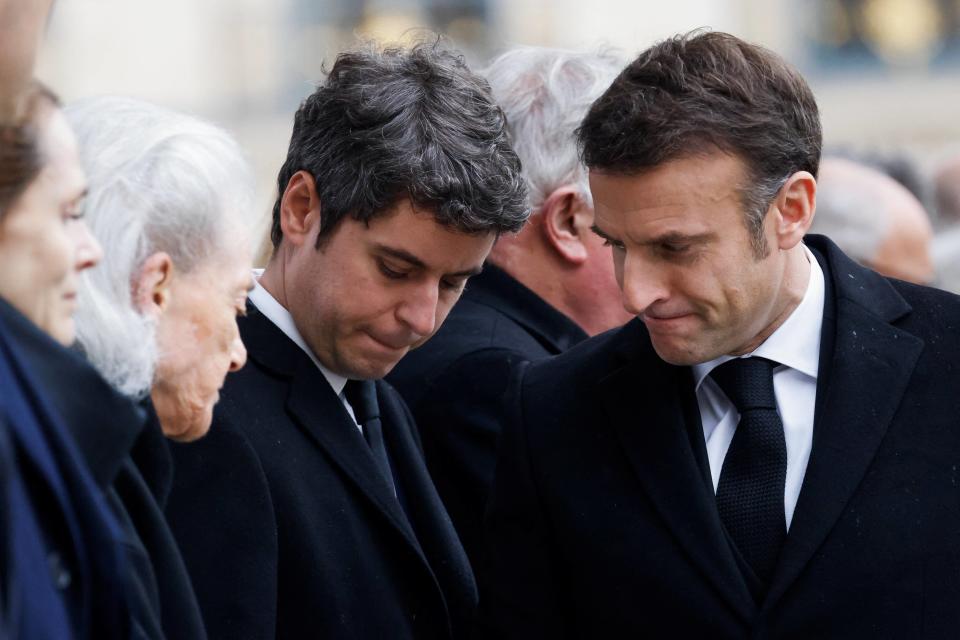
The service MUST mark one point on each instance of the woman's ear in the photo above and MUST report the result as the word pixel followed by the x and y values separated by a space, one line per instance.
pixel 151 291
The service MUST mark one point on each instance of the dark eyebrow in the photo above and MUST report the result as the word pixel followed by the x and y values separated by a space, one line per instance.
pixel 597 230
pixel 416 262
pixel 674 237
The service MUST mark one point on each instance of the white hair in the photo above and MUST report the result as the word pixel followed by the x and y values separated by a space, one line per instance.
pixel 545 93
pixel 158 181
pixel 852 214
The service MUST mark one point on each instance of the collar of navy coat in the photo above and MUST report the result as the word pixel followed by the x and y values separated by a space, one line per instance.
pixel 317 410
pixel 495 288
pixel 872 361
pixel 103 422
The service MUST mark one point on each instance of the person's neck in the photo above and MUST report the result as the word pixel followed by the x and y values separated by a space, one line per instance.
pixel 272 279
pixel 533 271
pixel 796 278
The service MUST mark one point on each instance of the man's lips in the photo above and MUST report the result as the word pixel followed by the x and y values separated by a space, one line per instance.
pixel 664 320
pixel 386 343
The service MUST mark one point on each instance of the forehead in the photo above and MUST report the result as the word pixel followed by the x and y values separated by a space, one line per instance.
pixel 62 169
pixel 687 188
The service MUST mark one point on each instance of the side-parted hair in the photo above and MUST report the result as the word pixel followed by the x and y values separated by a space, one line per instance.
pixel 21 153
pixel 545 93
pixel 701 92
pixel 394 123
pixel 159 181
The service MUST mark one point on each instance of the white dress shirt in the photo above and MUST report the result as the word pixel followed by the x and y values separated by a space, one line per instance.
pixel 278 315
pixel 795 346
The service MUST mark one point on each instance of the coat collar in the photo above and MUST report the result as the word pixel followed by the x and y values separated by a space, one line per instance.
pixel 103 423
pixel 865 368
pixel 495 288
pixel 864 357
pixel 318 411
pixel 644 399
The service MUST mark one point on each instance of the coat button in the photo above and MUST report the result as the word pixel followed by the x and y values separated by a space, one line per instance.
pixel 58 572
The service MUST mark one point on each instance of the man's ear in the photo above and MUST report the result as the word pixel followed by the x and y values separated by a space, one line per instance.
pixel 151 290
pixel 299 208
pixel 796 203
pixel 566 219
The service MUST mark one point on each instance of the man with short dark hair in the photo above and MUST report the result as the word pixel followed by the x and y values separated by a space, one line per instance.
pixel 543 290
pixel 769 449
pixel 308 510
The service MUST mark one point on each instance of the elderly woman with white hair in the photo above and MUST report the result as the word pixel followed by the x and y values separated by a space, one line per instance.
pixel 168 197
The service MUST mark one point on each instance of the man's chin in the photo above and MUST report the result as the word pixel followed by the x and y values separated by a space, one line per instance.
pixel 371 368
pixel 680 354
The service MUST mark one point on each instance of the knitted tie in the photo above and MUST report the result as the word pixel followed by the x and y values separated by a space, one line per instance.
pixel 362 396
pixel 752 480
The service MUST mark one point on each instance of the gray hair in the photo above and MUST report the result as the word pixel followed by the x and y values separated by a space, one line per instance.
pixel 849 212
pixel 159 181
pixel 545 93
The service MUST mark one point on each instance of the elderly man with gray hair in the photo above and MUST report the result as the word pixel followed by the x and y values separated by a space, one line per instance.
pixel 874 219
pixel 169 195
pixel 543 290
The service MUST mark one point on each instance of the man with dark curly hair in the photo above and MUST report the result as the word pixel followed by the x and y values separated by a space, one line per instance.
pixel 308 510
pixel 770 449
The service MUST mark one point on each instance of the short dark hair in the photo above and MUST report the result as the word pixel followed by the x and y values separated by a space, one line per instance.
pixel 705 91
pixel 21 153
pixel 414 123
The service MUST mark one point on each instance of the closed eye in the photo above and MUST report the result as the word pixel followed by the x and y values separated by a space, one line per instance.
pixel 389 272
pixel 453 285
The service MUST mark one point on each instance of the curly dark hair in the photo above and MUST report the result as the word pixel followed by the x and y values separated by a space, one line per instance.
pixel 406 122
pixel 700 92
pixel 21 155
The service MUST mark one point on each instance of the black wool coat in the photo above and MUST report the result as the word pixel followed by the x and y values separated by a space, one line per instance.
pixel 603 523
pixel 455 384
pixel 287 526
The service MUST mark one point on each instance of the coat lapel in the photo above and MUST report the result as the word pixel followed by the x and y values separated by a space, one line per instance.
pixel 867 375
pixel 317 410
pixel 659 451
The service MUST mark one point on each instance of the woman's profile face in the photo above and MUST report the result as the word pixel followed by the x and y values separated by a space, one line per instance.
pixel 44 242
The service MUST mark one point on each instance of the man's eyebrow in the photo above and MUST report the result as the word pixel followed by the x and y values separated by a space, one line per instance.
pixel 400 254
pixel 416 262
pixel 600 232
pixel 675 237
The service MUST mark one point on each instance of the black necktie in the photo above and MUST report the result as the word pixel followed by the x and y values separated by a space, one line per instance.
pixel 362 396
pixel 754 473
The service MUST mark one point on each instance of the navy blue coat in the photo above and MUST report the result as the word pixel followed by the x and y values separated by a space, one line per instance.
pixel 65 559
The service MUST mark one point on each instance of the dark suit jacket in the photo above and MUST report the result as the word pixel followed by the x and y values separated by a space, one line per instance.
pixel 603 524
pixel 66 557
pixel 455 383
pixel 289 530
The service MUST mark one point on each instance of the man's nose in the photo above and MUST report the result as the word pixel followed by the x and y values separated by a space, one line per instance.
pixel 643 285
pixel 418 310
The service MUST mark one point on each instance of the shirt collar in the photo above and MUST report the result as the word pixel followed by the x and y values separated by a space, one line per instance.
pixel 796 342
pixel 278 315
